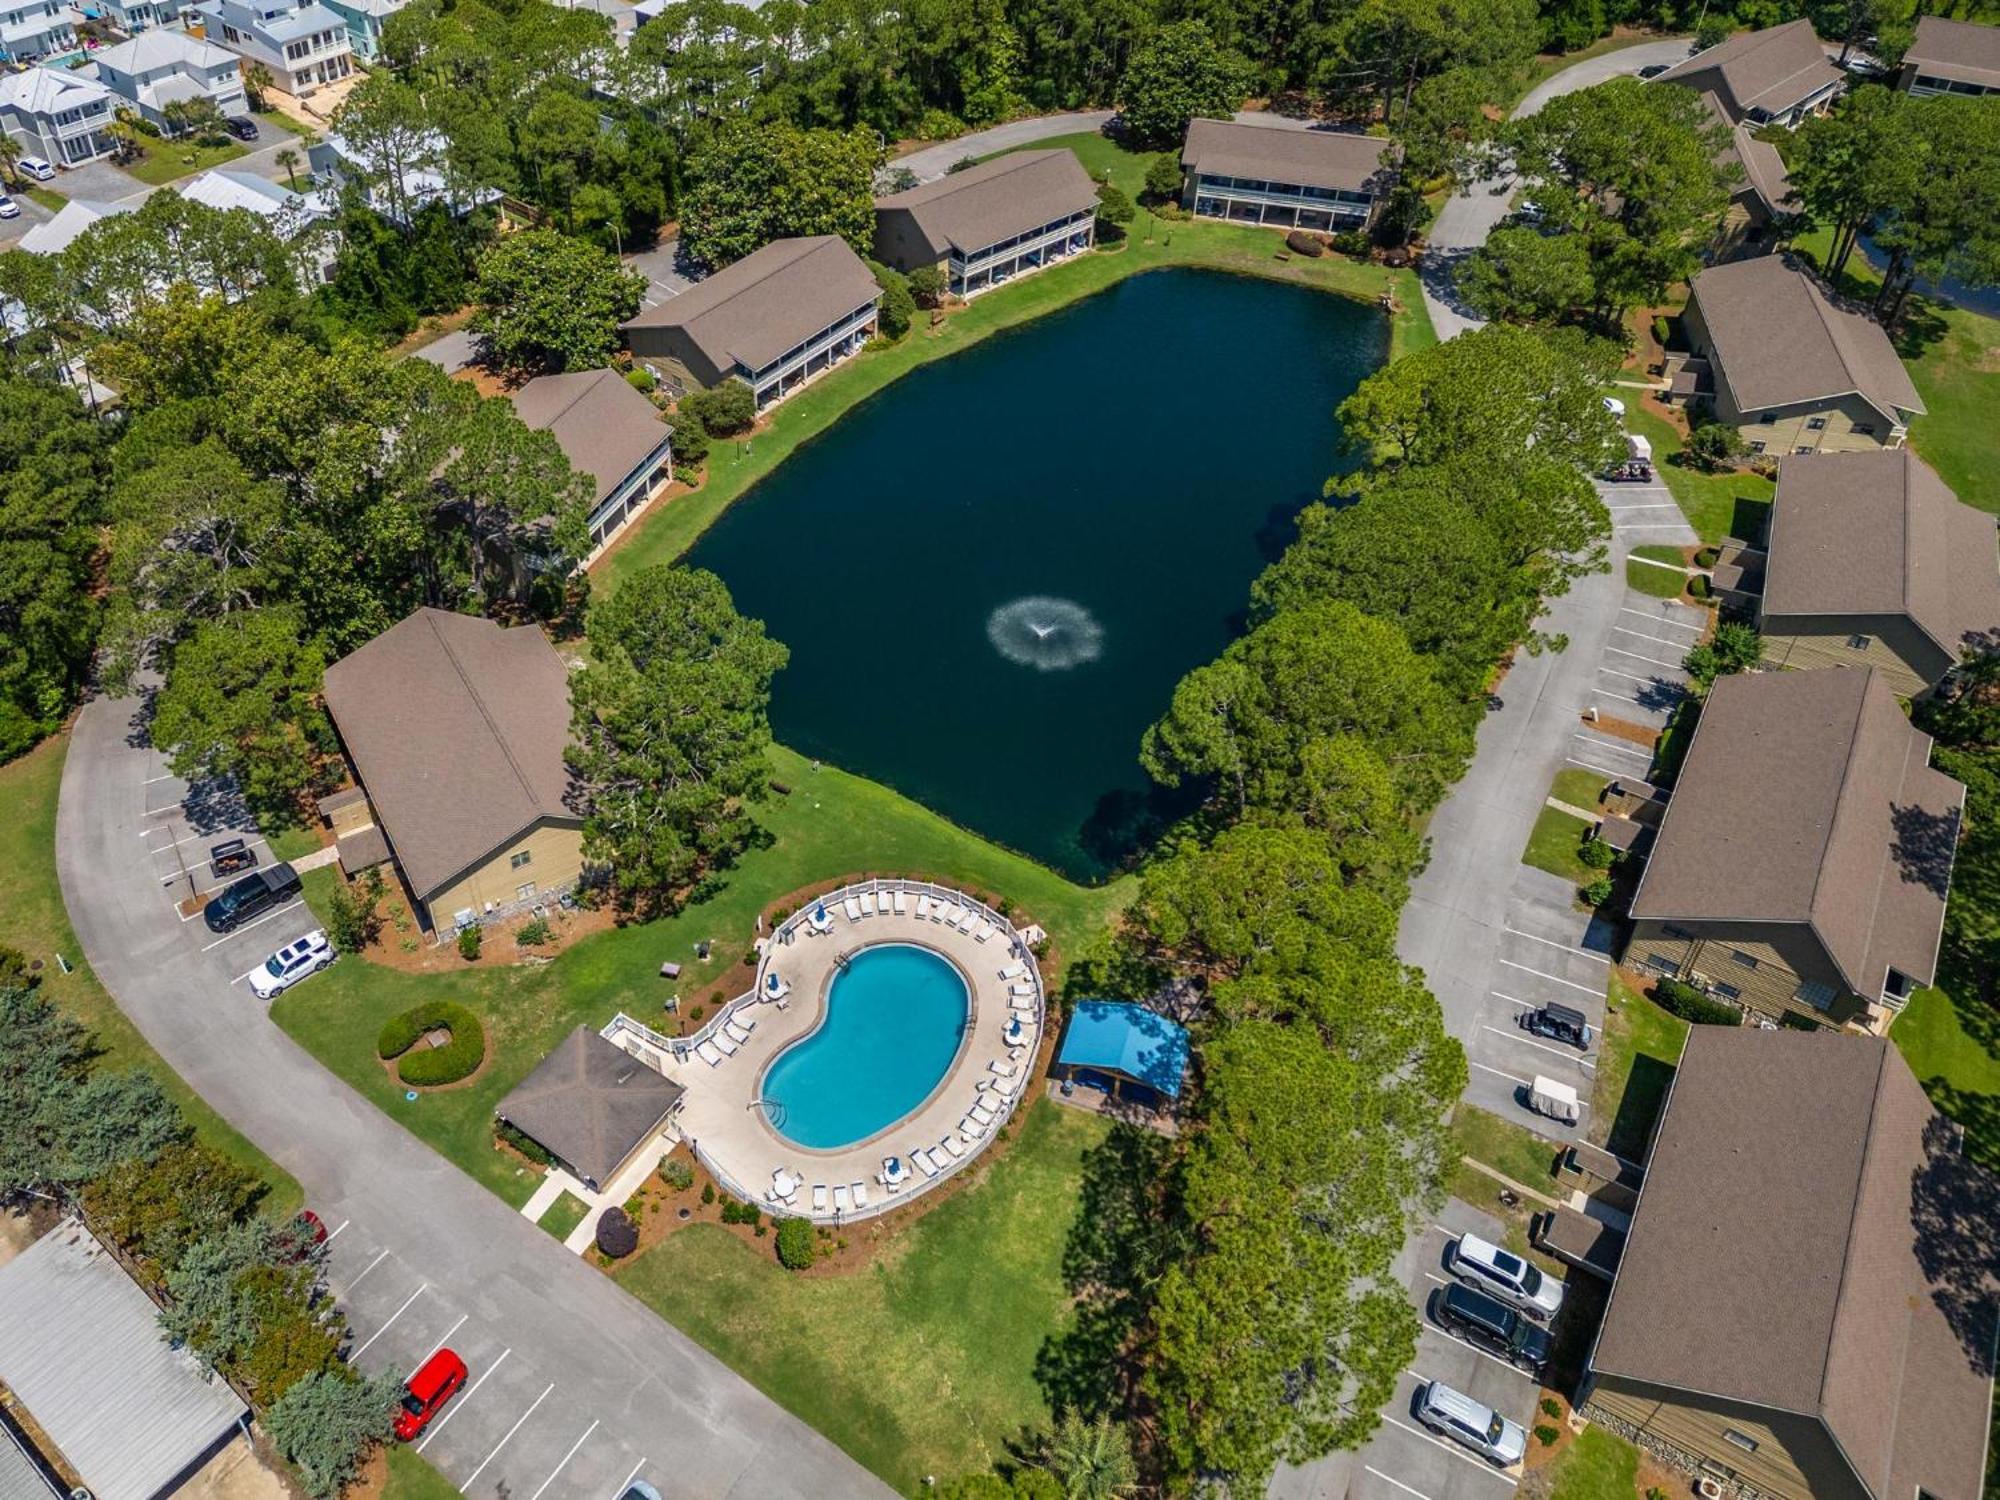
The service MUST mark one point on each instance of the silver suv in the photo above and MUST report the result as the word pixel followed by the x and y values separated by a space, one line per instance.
pixel 1463 1420
pixel 1506 1276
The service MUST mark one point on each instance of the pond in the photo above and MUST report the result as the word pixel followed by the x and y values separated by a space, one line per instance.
pixel 992 574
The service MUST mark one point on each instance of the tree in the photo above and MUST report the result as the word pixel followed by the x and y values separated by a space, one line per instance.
pixel 1091 1459
pixel 1179 74
pixel 1521 275
pixel 327 1424
pixel 11 152
pixel 511 494
pixel 549 302
pixel 237 697
pixel 256 79
pixel 1714 446
pixel 1114 211
pixel 750 185
pixel 1378 53
pixel 1163 177
pixel 156 1209
pixel 287 158
pixel 898 308
pixel 1851 163
pixel 352 921
pixel 1942 218
pixel 391 136
pixel 671 726
pixel 927 285
pixel 722 410
pixel 617 1236
pixel 1735 647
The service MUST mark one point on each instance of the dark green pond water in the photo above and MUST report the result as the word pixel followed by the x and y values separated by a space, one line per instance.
pixel 992 574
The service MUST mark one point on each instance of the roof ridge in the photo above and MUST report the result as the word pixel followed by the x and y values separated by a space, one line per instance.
pixel 479 700
pixel 1834 823
pixel 1853 1230
pixel 1909 561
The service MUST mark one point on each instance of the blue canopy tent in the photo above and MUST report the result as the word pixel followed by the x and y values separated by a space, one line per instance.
pixel 1126 1050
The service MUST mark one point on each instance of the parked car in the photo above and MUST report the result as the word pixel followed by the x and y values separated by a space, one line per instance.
pixel 303 1237
pixel 35 167
pixel 242 127
pixel 1654 70
pixel 252 896
pixel 1490 1324
pixel 9 209
pixel 437 1380
pixel 638 1489
pixel 1616 407
pixel 1555 1099
pixel 1559 1023
pixel 1480 1428
pixel 230 856
pixel 1503 1274
pixel 291 963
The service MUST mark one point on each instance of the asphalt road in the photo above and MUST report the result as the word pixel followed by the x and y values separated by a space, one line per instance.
pixel 575 1386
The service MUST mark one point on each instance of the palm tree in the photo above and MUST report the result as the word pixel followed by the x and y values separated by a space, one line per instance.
pixel 10 152
pixel 1092 1460
pixel 256 79
pixel 289 160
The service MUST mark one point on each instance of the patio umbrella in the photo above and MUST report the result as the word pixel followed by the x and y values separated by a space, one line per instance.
pixel 784 1182
pixel 772 982
pixel 893 1169
pixel 819 912
pixel 1015 1033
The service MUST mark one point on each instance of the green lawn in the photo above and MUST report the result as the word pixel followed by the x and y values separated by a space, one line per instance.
pixel 1578 787
pixel 1554 844
pixel 411 1478
pixel 33 920
pixel 1716 505
pixel 1504 1146
pixel 924 1361
pixel 282 121
pixel 1959 1067
pixel 830 825
pixel 161 162
pixel 48 197
pixel 1599 1465
pixel 563 1215
pixel 733 466
pixel 1635 1064
pixel 1656 570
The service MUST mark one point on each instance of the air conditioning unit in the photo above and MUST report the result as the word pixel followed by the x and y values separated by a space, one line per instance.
pixel 1700 980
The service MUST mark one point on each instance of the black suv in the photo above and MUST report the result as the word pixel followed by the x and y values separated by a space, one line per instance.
pixel 242 127
pixel 1560 1023
pixel 249 897
pixel 1489 1324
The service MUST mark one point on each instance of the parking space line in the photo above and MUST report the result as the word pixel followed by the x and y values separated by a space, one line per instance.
pixel 1614 746
pixel 1437 1442
pixel 336 1234
pixel 565 1459
pixel 1601 770
pixel 1644 505
pixel 626 1483
pixel 426 1286
pixel 1637 656
pixel 510 1432
pixel 1568 947
pixel 1647 614
pixel 1516 1000
pixel 460 1405
pixel 364 1271
pixel 1370 1469
pixel 438 1345
pixel 1587 989
pixel 1655 679
pixel 1606 692
pixel 1581 1062
pixel 259 922
pixel 1662 640
pixel 1501 1073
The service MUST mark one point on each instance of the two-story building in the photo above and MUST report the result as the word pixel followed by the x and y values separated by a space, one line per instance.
pixel 304 44
pixel 132 16
pixel 56 114
pixel 990 223
pixel 1951 57
pixel 1801 869
pixel 37 31
pixel 1872 561
pixel 1776 76
pixel 1772 357
pixel 774 320
pixel 365 20
pixel 611 434
pixel 158 68
pixel 1276 174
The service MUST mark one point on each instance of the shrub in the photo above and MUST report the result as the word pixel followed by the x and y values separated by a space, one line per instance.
pixel 469 939
pixel 677 1172
pixel 708 1192
pixel 351 919
pixel 1163 177
pixel 1596 854
pixel 641 379
pixel 898 308
pixel 1351 242
pixel 527 1145
pixel 1598 891
pixel 1546 1435
pixel 535 933
pixel 722 410
pixel 1699 587
pixel 1551 1407
pixel 1660 329
pixel 1114 211
pixel 964 163
pixel 1714 446
pixel 1682 999
pixel 740 1213
pixel 1303 242
pixel 428 1067
pixel 690 439
pixel 14 971
pixel 796 1247
pixel 617 1235
pixel 1706 558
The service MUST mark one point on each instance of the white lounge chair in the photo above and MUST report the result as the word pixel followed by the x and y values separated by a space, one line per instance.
pixel 841 1202
pixel 1013 971
pixel 736 1029
pixel 1004 1088
pixel 924 1163
pixel 970 1128
pixel 953 1145
pixel 724 1042
pixel 853 908
pixel 964 923
pixel 982 1112
pixel 860 1191
pixel 902 904
pixel 1021 987
pixel 923 907
pixel 707 1053
pixel 943 910
pixel 819 1197
pixel 1004 1069
pixel 867 903
pixel 983 931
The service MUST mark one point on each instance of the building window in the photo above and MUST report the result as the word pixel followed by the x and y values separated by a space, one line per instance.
pixel 1803 448
pixel 1757 447
pixel 1742 1440
pixel 1859 642
pixel 525 892
pixel 1814 993
pixel 1816 424
pixel 520 858
pixel 1768 418
pixel 1678 932
pixel 1662 963
pixel 1748 960
pixel 1864 429
pixel 1726 991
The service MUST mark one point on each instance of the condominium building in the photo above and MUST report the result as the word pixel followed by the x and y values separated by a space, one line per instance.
pixel 304 44
pixel 365 20
pixel 36 31
pixel 983 226
pixel 1952 57
pixel 1277 174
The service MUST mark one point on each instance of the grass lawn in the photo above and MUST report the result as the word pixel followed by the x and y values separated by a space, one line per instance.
pixel 924 1361
pixel 1578 787
pixel 162 162
pixel 1635 1064
pixel 1554 845
pixel 48 197
pixel 832 824
pixel 1504 1146
pixel 282 121
pixel 32 919
pixel 734 465
pixel 1716 505
pixel 1656 570
pixel 1599 1465
pixel 563 1215
pixel 411 1478
pixel 1959 1066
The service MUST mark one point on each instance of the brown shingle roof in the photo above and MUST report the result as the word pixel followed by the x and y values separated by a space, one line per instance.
pixel 1778 1255
pixel 1963 51
pixel 1814 796
pixel 996 200
pixel 1276 153
pixel 1779 342
pixel 590 1104
pixel 1763 168
pixel 1880 534
pixel 751 312
pixel 604 427
pixel 1772 70
pixel 457 729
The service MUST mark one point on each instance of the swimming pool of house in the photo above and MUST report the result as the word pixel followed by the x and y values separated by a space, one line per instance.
pixel 895 1015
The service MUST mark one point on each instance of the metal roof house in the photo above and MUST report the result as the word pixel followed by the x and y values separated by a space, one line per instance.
pixel 608 431
pixel 1952 57
pixel 58 115
pixel 80 1347
pixel 1276 174
pixel 1126 1050
pixel 592 1106
pixel 161 67
pixel 990 223
pixel 1795 1309
pixel 1775 76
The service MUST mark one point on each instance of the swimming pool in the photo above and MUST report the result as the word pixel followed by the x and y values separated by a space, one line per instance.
pixel 894 1019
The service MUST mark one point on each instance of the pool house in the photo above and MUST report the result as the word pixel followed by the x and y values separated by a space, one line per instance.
pixel 1283 175
pixel 1125 1051
pixel 990 223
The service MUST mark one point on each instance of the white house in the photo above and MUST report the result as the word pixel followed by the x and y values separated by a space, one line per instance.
pixel 158 68
pixel 36 31
pixel 365 20
pixel 75 216
pixel 131 16
pixel 304 44
pixel 57 114
pixel 396 190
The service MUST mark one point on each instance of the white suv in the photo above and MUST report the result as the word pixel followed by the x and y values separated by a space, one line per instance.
pixel 292 963
pixel 1507 1276
pixel 1480 1428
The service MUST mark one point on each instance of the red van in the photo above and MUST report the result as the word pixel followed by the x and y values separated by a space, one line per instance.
pixel 435 1383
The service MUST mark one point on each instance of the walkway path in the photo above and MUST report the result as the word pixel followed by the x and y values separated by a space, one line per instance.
pixel 934 161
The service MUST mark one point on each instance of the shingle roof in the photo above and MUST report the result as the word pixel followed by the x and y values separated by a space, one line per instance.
pixel 1772 70
pixel 1794 1194
pixel 1764 171
pixel 1963 51
pixel 751 312
pixel 1140 1043
pixel 457 728
pixel 1276 153
pixel 590 1103
pixel 1815 795
pixel 604 427
pixel 161 48
pixel 1880 534
pixel 1778 341
pixel 997 199
pixel 80 1346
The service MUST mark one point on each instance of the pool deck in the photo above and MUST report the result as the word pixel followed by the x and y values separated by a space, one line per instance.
pixel 719 1117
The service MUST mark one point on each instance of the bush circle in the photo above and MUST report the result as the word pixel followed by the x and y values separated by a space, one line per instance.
pixel 429 1067
pixel 795 1243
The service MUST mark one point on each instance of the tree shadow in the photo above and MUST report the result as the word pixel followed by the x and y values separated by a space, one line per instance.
pixel 1955 1213
pixel 1923 845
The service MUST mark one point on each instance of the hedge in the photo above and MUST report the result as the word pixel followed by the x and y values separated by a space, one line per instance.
pixel 1690 1004
pixel 428 1067
pixel 795 1243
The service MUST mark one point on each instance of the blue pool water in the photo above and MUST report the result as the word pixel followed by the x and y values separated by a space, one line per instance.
pixel 893 1021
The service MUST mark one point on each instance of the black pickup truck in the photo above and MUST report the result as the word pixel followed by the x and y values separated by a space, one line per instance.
pixel 249 897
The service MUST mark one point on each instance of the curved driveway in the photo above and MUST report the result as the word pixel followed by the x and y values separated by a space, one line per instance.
pixel 576 1385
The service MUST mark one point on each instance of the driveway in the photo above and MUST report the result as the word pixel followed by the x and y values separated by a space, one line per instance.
pixel 575 1386
pixel 98 181
pixel 934 161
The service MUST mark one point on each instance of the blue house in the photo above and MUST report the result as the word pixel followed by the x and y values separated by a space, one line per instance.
pixel 1125 1050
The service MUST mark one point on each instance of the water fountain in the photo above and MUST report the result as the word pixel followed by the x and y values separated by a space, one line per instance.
pixel 1050 635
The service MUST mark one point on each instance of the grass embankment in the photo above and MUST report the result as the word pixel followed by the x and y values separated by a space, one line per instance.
pixel 48 197
pixel 563 1215
pixel 161 161
pixel 1655 569
pixel 1598 1466
pixel 735 465
pixel 830 825
pixel 33 919
pixel 1504 1146
pixel 409 1477
pixel 1555 845
pixel 1636 1059
pixel 1578 787
pixel 925 1361
pixel 1716 505
pixel 1954 1049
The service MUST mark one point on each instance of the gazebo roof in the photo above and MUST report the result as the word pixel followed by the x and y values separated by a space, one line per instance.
pixel 1121 1037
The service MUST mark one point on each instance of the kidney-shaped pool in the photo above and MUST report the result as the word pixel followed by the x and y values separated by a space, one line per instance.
pixel 895 1016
